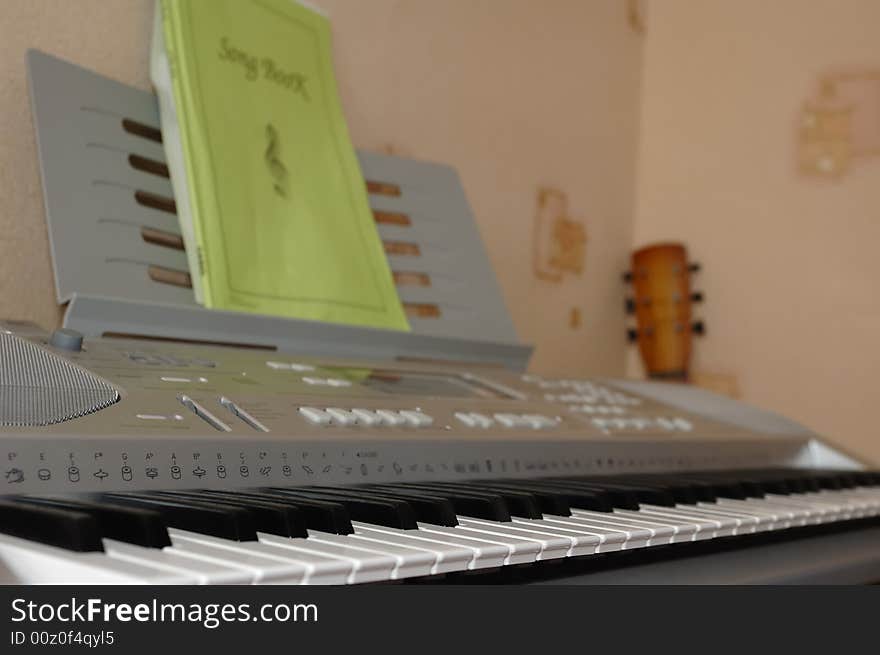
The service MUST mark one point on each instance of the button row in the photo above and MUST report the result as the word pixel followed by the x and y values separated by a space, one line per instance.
pixel 290 366
pixel 530 421
pixel 598 409
pixel 327 382
pixel 367 417
pixel 644 423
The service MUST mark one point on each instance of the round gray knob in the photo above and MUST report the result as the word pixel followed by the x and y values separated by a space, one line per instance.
pixel 66 339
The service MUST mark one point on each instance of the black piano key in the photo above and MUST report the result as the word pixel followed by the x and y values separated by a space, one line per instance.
pixel 428 508
pixel 519 502
pixel 740 488
pixel 585 496
pixel 550 501
pixel 129 524
pixel 54 526
pixel 319 515
pixel 477 505
pixel 388 512
pixel 215 519
pixel 723 488
pixel 268 517
pixel 648 495
pixel 681 492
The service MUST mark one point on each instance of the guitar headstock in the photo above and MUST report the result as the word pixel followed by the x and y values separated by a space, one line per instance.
pixel 662 303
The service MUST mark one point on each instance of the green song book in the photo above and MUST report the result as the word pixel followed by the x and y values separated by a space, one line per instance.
pixel 272 205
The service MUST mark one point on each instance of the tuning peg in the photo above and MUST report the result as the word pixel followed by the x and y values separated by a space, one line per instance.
pixel 632 335
pixel 694 268
pixel 627 277
pixel 697 296
pixel 630 306
pixel 699 328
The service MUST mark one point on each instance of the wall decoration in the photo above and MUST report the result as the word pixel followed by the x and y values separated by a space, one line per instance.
pixel 559 242
pixel 840 125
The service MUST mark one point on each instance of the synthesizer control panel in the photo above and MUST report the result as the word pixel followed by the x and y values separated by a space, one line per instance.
pixel 109 414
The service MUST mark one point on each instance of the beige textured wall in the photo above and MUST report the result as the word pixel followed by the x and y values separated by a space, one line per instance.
pixel 511 93
pixel 792 276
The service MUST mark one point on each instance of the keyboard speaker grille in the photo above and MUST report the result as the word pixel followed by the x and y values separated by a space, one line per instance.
pixel 37 387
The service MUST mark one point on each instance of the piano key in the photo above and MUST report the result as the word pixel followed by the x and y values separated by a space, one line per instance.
pixel 640 533
pixel 390 512
pixel 681 492
pixel 610 539
pixel 31 562
pixel 428 508
pixel 362 566
pixel 484 554
pixel 581 540
pixel 272 518
pixel 765 520
pixel 319 515
pixel 265 566
pixel 478 505
pixel 680 531
pixel 550 501
pixel 54 526
pixel 291 519
pixel 519 550
pixel 745 523
pixel 642 494
pixel 447 559
pixel 130 524
pixel 519 503
pixel 202 571
pixel 607 498
pixel 409 561
pixel 707 527
pixel 550 546
pixel 215 519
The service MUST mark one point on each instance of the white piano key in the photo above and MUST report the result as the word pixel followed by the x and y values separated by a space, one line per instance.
pixel 744 523
pixel 583 542
pixel 575 544
pixel 707 527
pixel 610 539
pixel 817 511
pixel 656 534
pixel 34 563
pixel 204 572
pixel 447 558
pixel 786 517
pixel 409 562
pixel 681 531
pixel 519 550
pixel 551 546
pixel 635 536
pixel 266 567
pixel 361 566
pixel 765 521
pixel 485 555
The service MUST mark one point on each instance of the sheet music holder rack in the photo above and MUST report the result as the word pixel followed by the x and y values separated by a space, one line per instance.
pixel 119 262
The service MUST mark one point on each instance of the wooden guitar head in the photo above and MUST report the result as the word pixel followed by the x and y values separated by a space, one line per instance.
pixel 661 302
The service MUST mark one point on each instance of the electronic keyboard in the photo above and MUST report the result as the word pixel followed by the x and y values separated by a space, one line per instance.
pixel 155 462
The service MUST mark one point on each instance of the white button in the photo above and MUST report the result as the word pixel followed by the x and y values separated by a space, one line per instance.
pixel 601 423
pixel 665 423
pixel 416 418
pixel 290 366
pixel 618 410
pixel 168 378
pixel 366 416
pixel 316 381
pixel 482 420
pixel 683 424
pixel 390 417
pixel 539 421
pixel 466 418
pixel 315 415
pixel 508 420
pixel 341 416
pixel 337 382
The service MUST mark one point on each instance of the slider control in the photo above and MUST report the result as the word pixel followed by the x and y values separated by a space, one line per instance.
pixel 243 414
pixel 203 413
